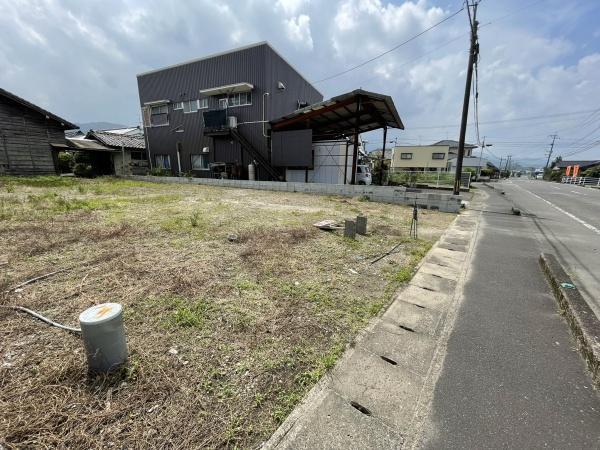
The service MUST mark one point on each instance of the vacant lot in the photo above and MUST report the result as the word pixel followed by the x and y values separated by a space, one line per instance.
pixel 224 337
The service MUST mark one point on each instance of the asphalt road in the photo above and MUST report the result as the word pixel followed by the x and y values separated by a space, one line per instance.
pixel 567 219
pixel 512 377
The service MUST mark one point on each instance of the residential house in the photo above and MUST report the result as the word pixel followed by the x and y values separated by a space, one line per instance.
pixel 453 148
pixel 113 153
pixel 27 136
pixel 472 162
pixel 583 165
pixel 420 158
pixel 210 116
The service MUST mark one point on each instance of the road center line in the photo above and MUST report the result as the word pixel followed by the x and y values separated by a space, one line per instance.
pixel 572 216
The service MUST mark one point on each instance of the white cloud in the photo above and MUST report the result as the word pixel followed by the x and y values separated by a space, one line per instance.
pixel 290 7
pixel 533 63
pixel 298 31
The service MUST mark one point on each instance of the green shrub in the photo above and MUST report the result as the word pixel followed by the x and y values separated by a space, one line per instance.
pixel 593 172
pixel 65 162
pixel 159 172
pixel 83 170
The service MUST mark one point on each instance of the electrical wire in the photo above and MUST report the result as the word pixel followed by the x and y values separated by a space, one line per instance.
pixel 42 318
pixel 396 47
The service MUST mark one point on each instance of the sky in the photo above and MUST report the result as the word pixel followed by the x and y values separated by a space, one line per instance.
pixel 538 72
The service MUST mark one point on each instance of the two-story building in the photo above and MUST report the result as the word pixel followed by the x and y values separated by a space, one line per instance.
pixel 213 113
pixel 420 158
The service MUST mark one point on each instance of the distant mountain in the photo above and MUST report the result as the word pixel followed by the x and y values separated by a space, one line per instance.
pixel 85 127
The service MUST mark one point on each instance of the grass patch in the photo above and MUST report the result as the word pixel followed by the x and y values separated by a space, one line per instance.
pixel 225 337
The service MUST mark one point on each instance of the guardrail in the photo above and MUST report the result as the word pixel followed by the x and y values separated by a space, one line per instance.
pixel 582 181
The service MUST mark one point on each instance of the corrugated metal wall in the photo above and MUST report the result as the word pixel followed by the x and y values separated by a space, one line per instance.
pixel 258 65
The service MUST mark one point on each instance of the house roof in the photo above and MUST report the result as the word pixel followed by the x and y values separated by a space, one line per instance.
pixel 337 117
pixel 15 98
pixel 116 140
pixel 450 143
pixel 227 52
pixel 581 164
pixel 82 143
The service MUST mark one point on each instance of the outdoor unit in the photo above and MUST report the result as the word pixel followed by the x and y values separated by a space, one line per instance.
pixel 232 122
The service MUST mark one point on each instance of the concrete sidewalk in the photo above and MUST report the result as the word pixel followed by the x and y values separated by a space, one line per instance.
pixel 377 394
pixel 512 377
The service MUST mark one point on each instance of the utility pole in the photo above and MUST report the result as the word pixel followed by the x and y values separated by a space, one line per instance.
pixel 473 52
pixel 553 136
pixel 508 158
pixel 483 146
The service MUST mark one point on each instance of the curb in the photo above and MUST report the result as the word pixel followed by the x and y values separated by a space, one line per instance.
pixel 584 324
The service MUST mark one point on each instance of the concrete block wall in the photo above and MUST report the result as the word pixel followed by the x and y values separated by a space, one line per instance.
pixel 382 194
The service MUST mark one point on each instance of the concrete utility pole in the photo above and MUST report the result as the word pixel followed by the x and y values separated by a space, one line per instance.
pixel 553 136
pixel 474 51
pixel 508 158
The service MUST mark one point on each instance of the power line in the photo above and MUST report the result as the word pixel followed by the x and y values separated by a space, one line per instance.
pixel 390 50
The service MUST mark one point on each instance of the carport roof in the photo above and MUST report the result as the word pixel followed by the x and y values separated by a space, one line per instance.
pixel 339 116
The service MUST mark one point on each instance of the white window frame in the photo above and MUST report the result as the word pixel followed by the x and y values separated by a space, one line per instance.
pixel 203 157
pixel 162 156
pixel 203 103
pixel 177 105
pixel 189 105
pixel 166 113
pixel 406 156
pixel 231 101
pixel 438 153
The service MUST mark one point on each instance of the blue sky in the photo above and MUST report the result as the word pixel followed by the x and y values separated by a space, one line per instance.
pixel 538 58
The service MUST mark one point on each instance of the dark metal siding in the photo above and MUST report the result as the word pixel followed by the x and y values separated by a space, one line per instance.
pixel 25 138
pixel 258 65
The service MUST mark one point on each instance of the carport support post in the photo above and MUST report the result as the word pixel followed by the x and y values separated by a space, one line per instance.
pixel 346 164
pixel 382 165
pixel 355 151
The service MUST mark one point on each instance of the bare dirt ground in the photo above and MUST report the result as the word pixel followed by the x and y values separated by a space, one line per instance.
pixel 225 337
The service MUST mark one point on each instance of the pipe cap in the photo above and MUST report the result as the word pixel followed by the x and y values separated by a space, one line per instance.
pixel 100 313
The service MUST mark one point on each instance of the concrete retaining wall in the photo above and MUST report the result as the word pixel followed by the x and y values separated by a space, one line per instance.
pixel 383 194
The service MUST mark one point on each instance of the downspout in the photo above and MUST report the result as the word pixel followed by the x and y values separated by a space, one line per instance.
pixel 122 159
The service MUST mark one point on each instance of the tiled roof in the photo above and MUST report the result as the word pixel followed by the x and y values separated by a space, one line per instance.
pixel 563 164
pixel 451 143
pixel 15 98
pixel 118 140
pixel 87 144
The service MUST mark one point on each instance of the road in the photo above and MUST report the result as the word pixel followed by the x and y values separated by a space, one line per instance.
pixel 512 376
pixel 567 219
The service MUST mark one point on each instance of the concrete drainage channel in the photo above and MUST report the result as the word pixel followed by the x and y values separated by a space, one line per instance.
pixel 379 393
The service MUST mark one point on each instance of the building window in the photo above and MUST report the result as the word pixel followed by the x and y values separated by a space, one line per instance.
pixel 241 99
pixel 223 103
pixel 163 161
pixel 190 106
pixel 178 105
pixel 438 156
pixel 405 155
pixel 203 103
pixel 199 162
pixel 159 115
pixel 139 156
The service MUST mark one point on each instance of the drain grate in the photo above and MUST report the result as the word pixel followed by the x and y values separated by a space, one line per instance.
pixel 419 306
pixel 361 408
pixel 389 360
pixel 428 288
pixel 406 328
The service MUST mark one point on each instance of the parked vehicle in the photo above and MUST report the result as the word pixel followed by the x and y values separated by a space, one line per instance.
pixel 363 174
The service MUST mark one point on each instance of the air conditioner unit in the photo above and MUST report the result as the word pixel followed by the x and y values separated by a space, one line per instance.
pixel 205 149
pixel 232 122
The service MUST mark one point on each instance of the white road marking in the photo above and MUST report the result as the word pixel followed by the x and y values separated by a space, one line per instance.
pixel 572 216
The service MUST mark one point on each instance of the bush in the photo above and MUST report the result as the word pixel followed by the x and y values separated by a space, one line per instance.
pixel 593 172
pixel 159 172
pixel 83 170
pixel 65 162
